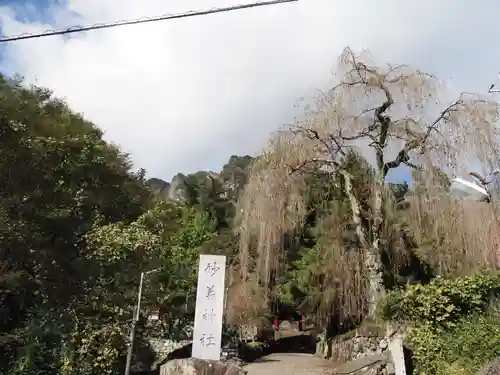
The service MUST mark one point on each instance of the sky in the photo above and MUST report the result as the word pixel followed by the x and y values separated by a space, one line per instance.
pixel 184 95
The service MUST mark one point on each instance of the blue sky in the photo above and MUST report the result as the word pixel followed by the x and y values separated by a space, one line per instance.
pixel 185 95
pixel 30 11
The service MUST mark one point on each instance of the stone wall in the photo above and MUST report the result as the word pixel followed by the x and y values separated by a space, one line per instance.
pixel 163 347
pixel 357 347
pixel 362 342
pixel 200 367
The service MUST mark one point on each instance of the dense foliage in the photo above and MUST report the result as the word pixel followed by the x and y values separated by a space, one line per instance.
pixel 77 226
pixel 453 322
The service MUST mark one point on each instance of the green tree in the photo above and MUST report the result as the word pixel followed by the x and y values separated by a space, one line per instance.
pixel 58 180
pixel 324 279
pixel 453 322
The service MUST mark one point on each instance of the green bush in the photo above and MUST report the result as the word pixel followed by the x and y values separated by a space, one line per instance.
pixel 443 302
pixel 454 323
pixel 255 344
pixel 463 349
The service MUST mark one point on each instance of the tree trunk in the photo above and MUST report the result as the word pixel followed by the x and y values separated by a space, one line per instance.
pixel 372 261
pixel 375 288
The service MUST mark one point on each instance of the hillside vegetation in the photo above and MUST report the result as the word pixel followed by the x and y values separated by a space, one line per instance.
pixel 311 223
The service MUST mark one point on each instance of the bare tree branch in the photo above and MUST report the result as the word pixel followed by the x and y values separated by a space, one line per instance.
pixel 480 178
pixel 418 141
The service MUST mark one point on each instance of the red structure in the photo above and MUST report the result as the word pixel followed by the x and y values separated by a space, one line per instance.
pixel 300 325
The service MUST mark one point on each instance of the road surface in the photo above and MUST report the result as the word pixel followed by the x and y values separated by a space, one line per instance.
pixel 288 364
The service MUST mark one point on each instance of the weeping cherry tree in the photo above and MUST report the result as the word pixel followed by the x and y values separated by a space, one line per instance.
pixel 395 115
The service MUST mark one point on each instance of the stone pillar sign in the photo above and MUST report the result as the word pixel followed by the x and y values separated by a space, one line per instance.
pixel 397 354
pixel 209 311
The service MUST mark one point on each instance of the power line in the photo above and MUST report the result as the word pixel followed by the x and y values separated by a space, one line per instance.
pixel 77 29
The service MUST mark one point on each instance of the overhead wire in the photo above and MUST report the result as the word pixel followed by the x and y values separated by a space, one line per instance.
pixel 164 17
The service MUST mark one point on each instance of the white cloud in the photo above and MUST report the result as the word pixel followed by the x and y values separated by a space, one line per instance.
pixel 184 95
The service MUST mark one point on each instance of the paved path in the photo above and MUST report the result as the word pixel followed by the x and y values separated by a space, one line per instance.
pixel 289 364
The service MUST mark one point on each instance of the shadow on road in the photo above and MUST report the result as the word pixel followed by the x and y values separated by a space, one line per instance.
pixel 264 360
pixel 302 343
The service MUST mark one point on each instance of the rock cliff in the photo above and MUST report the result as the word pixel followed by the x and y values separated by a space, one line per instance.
pixel 188 188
